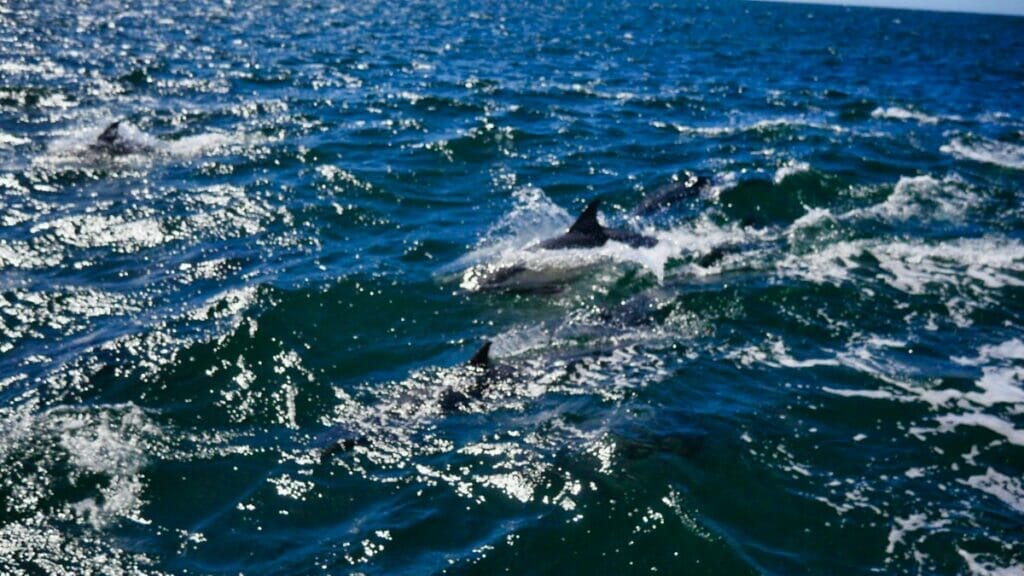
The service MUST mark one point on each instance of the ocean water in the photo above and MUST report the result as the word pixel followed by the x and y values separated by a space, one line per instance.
pixel 289 258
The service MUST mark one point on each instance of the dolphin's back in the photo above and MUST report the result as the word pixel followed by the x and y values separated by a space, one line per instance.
pixel 672 193
pixel 587 232
pixel 571 240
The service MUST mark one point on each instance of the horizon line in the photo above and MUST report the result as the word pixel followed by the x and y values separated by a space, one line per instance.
pixel 884 5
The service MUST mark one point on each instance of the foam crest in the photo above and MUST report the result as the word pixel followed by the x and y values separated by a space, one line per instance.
pixel 1008 490
pixel 790 168
pixel 914 265
pixel 925 196
pixel 190 146
pixel 990 422
pixel 1012 349
pixel 979 565
pixel 108 441
pixel 97 230
pixel 992 262
pixel 986 151
pixel 763 125
pixel 899 113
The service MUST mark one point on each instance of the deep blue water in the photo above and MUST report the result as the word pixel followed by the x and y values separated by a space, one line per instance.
pixel 288 258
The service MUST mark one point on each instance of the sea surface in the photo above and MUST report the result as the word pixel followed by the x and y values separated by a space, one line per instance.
pixel 285 260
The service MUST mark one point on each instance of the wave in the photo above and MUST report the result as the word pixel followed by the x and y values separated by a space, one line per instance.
pixel 10 140
pixel 898 113
pixel 218 211
pixel 913 266
pixel 924 197
pixel 790 168
pixel 986 151
pixel 766 125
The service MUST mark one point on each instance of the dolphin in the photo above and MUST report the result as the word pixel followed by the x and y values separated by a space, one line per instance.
pixel 486 374
pixel 481 372
pixel 667 195
pixel 112 141
pixel 587 232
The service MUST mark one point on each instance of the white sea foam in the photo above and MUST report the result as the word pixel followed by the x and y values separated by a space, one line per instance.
pixel 913 266
pixel 199 144
pixel 872 394
pixel 992 262
pixel 987 151
pixel 739 127
pixel 775 354
pixel 533 217
pixel 96 230
pixel 106 440
pixel 865 358
pixel 74 142
pixel 1012 349
pixel 999 386
pixel 10 140
pixel 1009 490
pixel 995 424
pixel 790 168
pixel 830 264
pixel 909 525
pixel 898 113
pixel 922 197
pixel 980 567
pixel 811 230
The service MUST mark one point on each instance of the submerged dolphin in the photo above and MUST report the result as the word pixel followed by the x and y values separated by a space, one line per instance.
pixel 482 373
pixel 667 195
pixel 113 142
pixel 487 372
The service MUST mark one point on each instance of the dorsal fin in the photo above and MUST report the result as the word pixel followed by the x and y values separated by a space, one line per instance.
pixel 587 222
pixel 109 134
pixel 482 356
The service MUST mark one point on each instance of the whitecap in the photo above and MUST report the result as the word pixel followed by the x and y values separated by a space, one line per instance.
pixel 986 151
pixel 922 197
pixel 912 266
pixel 10 140
pixel 999 386
pixel 790 168
pixel 990 422
pixel 977 567
pixel 899 113
pixel 1007 489
pixel 1012 349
